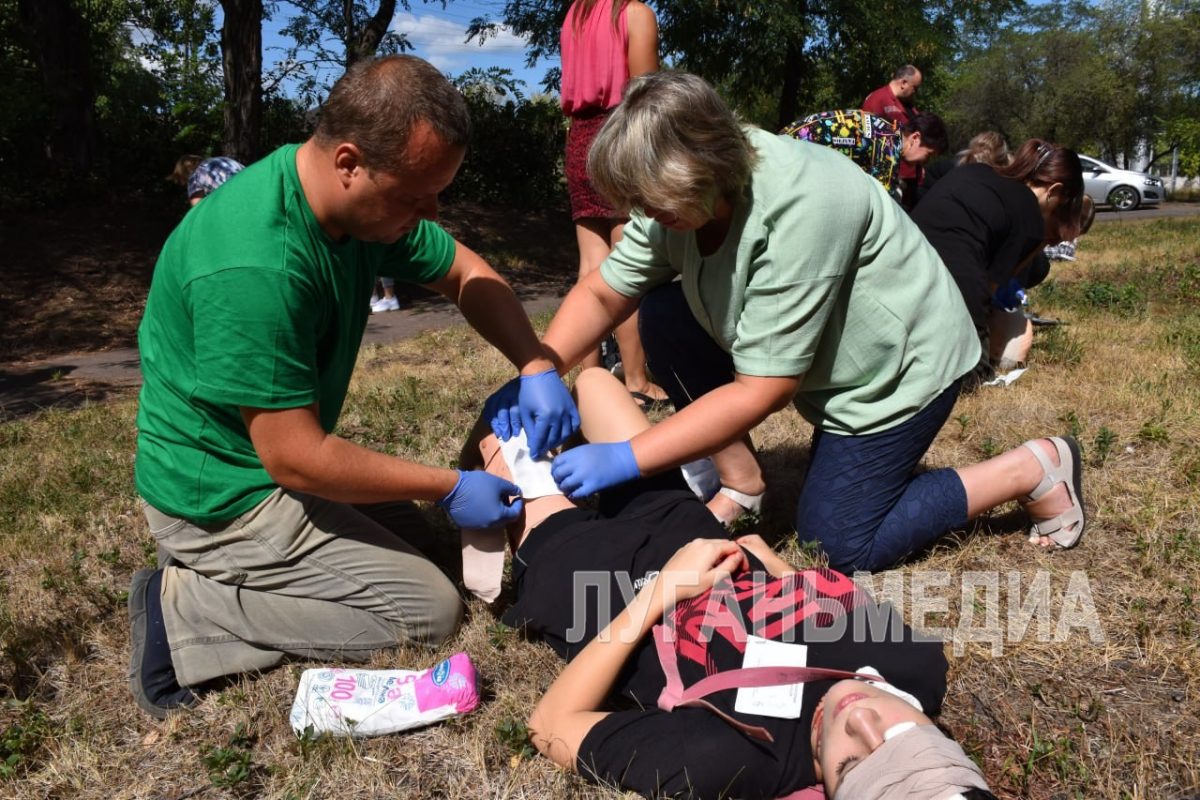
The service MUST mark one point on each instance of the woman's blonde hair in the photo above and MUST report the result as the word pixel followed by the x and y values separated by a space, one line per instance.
pixel 988 148
pixel 671 145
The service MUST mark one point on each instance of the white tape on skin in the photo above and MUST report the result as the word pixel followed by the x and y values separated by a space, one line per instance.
pixel 897 729
pixel 890 689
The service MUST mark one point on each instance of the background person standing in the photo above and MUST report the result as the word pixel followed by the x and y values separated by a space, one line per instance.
pixel 604 43
pixel 895 101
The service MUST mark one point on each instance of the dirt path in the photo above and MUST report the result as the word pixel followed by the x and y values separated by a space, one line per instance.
pixel 68 381
pixel 76 279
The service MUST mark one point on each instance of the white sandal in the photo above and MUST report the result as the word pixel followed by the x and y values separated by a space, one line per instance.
pixel 1067 528
pixel 749 503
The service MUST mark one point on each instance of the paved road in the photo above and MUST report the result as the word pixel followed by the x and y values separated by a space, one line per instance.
pixel 1106 214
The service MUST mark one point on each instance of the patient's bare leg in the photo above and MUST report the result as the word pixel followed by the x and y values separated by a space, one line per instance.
pixel 610 414
pixel 607 411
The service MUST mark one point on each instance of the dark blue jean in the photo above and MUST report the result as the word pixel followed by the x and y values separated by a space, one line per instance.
pixel 860 500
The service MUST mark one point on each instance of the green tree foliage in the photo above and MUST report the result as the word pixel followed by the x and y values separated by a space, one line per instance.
pixel 329 36
pixel 1111 79
pixel 515 154
pixel 154 73
pixel 177 40
pixel 804 54
pixel 110 100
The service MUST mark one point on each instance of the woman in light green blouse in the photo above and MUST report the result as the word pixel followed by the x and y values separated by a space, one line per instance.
pixel 773 271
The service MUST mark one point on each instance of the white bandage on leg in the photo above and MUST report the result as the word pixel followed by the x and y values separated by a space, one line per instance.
pixel 533 476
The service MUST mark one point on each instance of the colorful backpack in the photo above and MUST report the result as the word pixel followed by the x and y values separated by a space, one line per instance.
pixel 869 141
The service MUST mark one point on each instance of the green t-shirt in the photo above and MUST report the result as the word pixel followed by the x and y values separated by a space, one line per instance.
pixel 252 304
pixel 823 276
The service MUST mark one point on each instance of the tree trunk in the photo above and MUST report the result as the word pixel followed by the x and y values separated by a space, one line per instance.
pixel 793 71
pixel 59 41
pixel 789 93
pixel 361 44
pixel 241 54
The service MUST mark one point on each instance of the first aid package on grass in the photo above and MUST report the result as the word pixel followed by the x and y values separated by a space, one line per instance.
pixel 372 702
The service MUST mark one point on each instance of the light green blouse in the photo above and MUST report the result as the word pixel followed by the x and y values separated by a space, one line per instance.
pixel 822 276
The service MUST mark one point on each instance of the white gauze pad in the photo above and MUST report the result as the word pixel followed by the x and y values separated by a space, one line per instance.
pixel 533 476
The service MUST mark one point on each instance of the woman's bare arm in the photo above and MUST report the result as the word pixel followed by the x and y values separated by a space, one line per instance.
pixel 568 710
pixel 642 55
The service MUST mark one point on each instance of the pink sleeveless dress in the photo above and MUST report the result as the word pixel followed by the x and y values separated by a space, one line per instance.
pixel 595 69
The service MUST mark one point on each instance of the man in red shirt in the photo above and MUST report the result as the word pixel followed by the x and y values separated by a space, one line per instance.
pixel 894 102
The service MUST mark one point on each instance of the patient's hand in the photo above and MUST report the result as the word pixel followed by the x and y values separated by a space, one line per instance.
pixel 697 567
pixel 775 565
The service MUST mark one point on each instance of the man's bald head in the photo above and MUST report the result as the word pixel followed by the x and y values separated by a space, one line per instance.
pixel 905 81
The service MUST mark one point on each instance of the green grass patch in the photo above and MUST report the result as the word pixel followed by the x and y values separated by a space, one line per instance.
pixel 1122 378
pixel 1089 297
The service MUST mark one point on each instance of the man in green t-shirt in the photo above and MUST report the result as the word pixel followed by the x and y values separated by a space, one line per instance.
pixel 281 538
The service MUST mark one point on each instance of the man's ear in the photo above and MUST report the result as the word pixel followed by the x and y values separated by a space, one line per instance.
pixel 347 162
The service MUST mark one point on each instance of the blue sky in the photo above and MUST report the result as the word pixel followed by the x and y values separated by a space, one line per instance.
pixel 438 35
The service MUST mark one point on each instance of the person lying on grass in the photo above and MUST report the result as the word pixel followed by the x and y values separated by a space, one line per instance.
pixel 592 583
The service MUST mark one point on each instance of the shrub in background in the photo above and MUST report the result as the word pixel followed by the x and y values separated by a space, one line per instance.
pixel 515 158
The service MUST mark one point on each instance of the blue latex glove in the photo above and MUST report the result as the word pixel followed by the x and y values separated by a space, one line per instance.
pixel 1009 296
pixel 585 470
pixel 538 404
pixel 548 413
pixel 503 410
pixel 481 500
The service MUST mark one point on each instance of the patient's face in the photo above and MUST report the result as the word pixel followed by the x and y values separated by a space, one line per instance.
pixel 849 725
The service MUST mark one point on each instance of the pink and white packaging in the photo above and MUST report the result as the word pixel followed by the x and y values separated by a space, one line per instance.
pixel 373 702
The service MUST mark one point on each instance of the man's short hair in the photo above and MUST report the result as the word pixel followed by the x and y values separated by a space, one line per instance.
pixel 907 72
pixel 378 101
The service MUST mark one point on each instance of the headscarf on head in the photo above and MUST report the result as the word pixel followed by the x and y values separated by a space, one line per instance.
pixel 211 173
pixel 919 764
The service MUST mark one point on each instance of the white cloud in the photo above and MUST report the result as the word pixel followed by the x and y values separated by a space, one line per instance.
pixel 442 42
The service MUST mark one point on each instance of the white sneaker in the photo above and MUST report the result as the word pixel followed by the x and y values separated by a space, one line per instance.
pixel 385 304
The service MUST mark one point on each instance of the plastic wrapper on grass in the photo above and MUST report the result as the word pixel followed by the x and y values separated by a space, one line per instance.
pixel 374 702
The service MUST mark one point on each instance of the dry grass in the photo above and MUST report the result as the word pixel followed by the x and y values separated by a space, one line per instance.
pixel 1048 719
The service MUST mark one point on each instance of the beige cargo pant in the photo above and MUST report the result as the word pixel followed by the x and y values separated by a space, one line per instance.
pixel 302 576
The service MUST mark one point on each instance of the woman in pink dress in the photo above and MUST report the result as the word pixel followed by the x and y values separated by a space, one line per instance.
pixel 603 45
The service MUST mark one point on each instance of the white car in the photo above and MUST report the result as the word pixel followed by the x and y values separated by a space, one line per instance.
pixel 1123 189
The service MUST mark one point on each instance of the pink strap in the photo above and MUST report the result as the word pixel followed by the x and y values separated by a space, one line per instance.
pixel 674 694
pixel 811 793
pixel 751 677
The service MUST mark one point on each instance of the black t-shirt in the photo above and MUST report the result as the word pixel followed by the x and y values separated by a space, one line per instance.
pixel 581 567
pixel 935 170
pixel 691 751
pixel 982 225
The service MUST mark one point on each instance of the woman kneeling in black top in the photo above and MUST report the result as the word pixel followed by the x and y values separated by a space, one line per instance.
pixel 988 223
pixel 594 583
